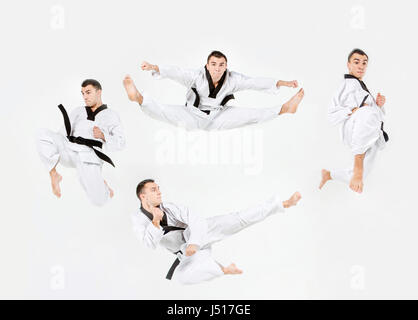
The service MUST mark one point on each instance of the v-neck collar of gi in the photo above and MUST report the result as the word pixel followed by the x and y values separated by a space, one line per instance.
pixel 363 85
pixel 213 91
pixel 92 115
pixel 150 216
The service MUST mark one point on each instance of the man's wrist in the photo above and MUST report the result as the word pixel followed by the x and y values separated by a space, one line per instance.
pixel 156 223
pixel 285 204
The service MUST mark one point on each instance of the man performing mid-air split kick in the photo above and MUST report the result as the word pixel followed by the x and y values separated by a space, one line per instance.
pixel 209 91
pixel 87 129
pixel 190 237
pixel 361 119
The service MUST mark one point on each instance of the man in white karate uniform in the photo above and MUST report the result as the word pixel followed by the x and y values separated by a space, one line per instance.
pixel 361 118
pixel 190 237
pixel 209 91
pixel 86 131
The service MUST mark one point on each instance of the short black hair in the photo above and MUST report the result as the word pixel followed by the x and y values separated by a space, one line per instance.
pixel 93 82
pixel 358 51
pixel 217 54
pixel 141 186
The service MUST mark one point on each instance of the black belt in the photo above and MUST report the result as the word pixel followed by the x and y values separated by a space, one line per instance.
pixel 173 267
pixel 177 261
pixel 197 100
pixel 385 135
pixel 80 140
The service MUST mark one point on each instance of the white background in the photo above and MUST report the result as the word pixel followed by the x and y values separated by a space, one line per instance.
pixel 334 244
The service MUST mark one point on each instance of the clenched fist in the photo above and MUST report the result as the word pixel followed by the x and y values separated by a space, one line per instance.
pixel 147 66
pixel 380 100
pixel 157 214
pixel 191 250
pixel 98 134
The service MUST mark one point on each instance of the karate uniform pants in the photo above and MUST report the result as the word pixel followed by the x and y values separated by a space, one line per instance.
pixel 193 119
pixel 362 134
pixel 54 148
pixel 201 266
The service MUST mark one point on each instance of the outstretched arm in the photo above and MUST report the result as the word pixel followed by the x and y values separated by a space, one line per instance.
pixel 291 84
pixel 243 82
pixel 269 85
pixel 185 77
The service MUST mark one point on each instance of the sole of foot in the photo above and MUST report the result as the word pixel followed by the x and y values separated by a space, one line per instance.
pixel 292 105
pixel 131 90
pixel 325 177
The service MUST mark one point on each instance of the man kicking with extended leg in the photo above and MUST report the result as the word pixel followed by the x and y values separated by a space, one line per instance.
pixel 209 91
pixel 190 237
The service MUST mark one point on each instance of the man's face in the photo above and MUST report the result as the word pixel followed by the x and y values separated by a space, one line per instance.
pixel 216 67
pixel 91 95
pixel 357 65
pixel 151 194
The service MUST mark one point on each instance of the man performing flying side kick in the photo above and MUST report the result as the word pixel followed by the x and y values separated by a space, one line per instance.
pixel 190 237
pixel 209 91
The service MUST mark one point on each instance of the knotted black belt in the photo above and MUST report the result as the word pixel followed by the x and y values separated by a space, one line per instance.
pixel 197 100
pixel 83 141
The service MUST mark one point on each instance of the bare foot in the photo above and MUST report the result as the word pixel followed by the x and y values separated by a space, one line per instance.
pixel 110 190
pixel 131 90
pixel 326 176
pixel 55 182
pixel 356 183
pixel 293 200
pixel 292 105
pixel 231 269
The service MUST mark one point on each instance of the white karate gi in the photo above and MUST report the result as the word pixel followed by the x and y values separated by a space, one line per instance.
pixel 202 232
pixel 54 147
pixel 360 131
pixel 221 116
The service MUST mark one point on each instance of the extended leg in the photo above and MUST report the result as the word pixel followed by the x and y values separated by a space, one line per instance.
pixel 223 226
pixel 173 114
pixel 235 117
